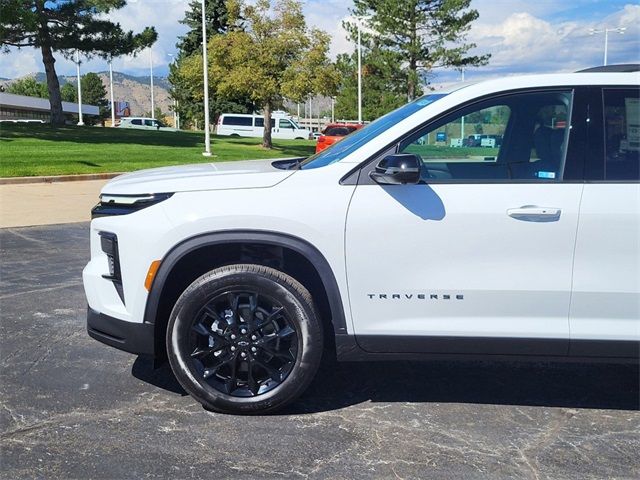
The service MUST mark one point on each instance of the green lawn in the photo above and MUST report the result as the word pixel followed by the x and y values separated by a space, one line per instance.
pixel 28 150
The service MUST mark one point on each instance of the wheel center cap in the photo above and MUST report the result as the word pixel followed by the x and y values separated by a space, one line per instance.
pixel 243 343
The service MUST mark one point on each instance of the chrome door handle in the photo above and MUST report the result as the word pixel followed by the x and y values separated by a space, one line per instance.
pixel 533 213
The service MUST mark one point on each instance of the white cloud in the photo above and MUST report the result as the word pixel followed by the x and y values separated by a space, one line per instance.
pixel 521 42
pixel 164 15
pixel 19 63
pixel 521 35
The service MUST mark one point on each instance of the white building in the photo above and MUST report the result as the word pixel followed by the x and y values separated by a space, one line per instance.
pixel 20 107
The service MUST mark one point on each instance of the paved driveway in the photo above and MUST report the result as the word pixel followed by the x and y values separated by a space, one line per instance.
pixel 73 408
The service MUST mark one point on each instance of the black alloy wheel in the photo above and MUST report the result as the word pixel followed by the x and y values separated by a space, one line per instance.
pixel 243 343
pixel 244 339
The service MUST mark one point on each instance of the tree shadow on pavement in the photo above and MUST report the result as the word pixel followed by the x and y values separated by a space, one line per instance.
pixel 339 385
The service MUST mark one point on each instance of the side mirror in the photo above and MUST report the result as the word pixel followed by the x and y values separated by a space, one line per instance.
pixel 397 169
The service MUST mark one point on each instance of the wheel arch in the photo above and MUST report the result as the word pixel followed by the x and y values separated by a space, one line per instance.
pixel 226 247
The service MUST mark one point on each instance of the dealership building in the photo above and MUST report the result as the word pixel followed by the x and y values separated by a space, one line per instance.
pixel 20 107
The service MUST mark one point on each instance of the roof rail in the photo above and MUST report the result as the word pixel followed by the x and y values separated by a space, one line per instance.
pixel 620 68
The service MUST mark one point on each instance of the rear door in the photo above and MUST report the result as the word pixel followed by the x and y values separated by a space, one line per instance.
pixel 605 306
pixel 477 258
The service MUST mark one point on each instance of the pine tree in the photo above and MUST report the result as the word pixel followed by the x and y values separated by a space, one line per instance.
pixel 217 22
pixel 425 34
pixel 66 26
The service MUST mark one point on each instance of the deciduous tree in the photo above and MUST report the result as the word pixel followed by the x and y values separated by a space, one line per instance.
pixel 275 56
pixel 28 86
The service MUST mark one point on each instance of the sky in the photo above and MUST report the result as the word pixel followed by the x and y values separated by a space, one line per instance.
pixel 522 36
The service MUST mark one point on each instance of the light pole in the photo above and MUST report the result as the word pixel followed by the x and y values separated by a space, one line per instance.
pixel 113 105
pixel 207 134
pixel 80 122
pixel 153 104
pixel 462 120
pixel 175 102
pixel 333 109
pixel 593 31
pixel 359 21
pixel 359 75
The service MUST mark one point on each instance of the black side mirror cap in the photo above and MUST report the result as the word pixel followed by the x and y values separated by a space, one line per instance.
pixel 398 169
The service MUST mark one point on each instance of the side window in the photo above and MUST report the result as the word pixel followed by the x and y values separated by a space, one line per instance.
pixel 136 121
pixel 622 134
pixel 514 137
pixel 260 122
pixel 238 121
pixel 285 124
pixel 149 123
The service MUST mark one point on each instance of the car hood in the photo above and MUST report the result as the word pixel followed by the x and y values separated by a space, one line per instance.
pixel 202 176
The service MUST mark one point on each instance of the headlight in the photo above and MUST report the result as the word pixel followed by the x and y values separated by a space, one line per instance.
pixel 125 204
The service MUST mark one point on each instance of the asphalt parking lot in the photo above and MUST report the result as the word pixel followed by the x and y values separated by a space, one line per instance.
pixel 73 408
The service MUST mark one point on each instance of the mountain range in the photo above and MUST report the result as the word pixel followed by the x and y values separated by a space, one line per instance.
pixel 126 88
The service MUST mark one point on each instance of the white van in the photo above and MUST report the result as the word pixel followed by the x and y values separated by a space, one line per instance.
pixel 244 125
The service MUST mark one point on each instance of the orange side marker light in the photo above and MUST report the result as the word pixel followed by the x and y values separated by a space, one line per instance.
pixel 151 274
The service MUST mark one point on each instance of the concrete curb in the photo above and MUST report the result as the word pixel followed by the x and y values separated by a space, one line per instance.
pixel 57 178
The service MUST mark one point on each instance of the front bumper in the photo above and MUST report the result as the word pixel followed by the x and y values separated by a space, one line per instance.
pixel 131 337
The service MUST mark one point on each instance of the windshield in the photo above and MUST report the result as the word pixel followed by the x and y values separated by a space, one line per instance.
pixel 352 142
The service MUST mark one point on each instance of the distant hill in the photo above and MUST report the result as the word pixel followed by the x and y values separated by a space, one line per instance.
pixel 126 88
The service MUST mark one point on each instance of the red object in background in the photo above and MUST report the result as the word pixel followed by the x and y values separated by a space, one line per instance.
pixel 335 132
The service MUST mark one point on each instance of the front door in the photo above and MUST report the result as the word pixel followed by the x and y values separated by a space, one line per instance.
pixel 477 258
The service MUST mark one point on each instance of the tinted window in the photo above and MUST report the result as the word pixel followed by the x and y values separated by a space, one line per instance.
pixel 520 137
pixel 338 131
pixel 260 122
pixel 149 123
pixel 239 121
pixel 285 124
pixel 622 134
pixel 136 121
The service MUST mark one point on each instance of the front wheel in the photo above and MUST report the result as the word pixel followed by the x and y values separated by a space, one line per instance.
pixel 244 339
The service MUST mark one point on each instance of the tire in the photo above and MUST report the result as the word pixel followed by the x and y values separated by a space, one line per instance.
pixel 244 339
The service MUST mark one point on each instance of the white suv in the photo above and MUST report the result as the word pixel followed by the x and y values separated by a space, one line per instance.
pixel 145 123
pixel 391 244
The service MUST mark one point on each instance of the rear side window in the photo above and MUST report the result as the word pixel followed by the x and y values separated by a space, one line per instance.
pixel 338 131
pixel 136 121
pixel 622 134
pixel 237 121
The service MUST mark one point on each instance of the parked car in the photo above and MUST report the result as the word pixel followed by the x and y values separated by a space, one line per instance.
pixel 27 120
pixel 144 123
pixel 389 245
pixel 242 125
pixel 335 132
